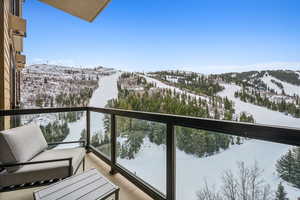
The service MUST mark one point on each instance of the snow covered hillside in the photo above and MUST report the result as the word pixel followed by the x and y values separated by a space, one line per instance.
pixel 288 88
pixel 51 85
pixel 47 82
pixel 278 90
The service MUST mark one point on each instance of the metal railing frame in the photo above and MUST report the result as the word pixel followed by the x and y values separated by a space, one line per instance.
pixel 278 134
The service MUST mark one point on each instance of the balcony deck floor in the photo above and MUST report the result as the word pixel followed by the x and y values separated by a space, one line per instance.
pixel 128 191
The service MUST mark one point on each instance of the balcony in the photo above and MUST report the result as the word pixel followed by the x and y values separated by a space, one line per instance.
pixel 128 191
pixel 20 61
pixel 153 166
pixel 17 43
pixel 17 25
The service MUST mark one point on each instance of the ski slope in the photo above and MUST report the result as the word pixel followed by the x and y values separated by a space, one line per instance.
pixel 289 89
pixel 160 84
pixel 191 171
pixel 273 151
pixel 107 90
pixel 261 115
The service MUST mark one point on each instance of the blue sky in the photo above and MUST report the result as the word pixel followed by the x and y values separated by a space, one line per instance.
pixel 208 36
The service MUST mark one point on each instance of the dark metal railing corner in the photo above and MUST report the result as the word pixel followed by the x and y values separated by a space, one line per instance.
pixel 113 142
pixel 171 162
pixel 88 130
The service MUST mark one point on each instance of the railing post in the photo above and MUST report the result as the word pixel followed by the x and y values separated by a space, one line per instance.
pixel 113 142
pixel 88 129
pixel 171 162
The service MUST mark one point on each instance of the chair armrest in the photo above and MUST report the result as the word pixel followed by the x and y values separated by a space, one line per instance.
pixel 40 162
pixel 71 142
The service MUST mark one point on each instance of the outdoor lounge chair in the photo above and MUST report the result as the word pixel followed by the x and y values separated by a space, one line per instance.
pixel 26 161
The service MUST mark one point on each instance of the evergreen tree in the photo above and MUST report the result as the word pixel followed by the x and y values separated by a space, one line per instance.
pixel 197 142
pixel 284 166
pixel 296 167
pixel 280 193
pixel 238 140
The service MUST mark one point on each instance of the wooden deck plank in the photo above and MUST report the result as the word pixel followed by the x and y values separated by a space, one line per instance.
pixel 128 191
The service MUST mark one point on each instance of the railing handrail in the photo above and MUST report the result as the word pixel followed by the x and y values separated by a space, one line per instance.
pixel 280 134
pixel 272 133
pixel 31 111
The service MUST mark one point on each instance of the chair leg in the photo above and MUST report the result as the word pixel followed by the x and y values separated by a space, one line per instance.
pixel 117 195
pixel 83 164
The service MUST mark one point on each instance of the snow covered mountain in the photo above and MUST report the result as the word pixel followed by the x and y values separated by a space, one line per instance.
pixel 51 85
pixel 281 81
pixel 47 81
pixel 63 70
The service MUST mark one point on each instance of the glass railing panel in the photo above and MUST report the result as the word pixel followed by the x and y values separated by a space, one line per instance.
pixel 212 165
pixel 56 127
pixel 141 149
pixel 100 133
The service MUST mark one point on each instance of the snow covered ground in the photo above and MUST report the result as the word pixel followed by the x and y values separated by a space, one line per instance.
pixel 42 85
pixel 107 90
pixel 192 171
pixel 173 79
pixel 261 115
pixel 160 84
pixel 270 151
pixel 289 89
pixel 59 70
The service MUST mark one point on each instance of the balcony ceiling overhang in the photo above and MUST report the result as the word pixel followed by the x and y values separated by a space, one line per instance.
pixel 84 9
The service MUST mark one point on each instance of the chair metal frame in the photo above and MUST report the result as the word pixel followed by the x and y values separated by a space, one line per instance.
pixel 44 182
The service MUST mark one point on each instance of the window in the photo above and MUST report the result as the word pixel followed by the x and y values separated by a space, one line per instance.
pixel 15 7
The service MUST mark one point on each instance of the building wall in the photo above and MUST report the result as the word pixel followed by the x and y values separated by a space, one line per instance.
pixel 9 84
pixel 4 61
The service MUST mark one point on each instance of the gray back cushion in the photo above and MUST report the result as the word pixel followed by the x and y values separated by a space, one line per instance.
pixel 21 144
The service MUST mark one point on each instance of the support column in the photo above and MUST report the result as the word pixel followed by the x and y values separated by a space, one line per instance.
pixel 113 141
pixel 171 162
pixel 88 130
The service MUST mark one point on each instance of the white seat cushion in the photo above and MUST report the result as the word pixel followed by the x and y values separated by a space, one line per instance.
pixel 21 144
pixel 45 171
